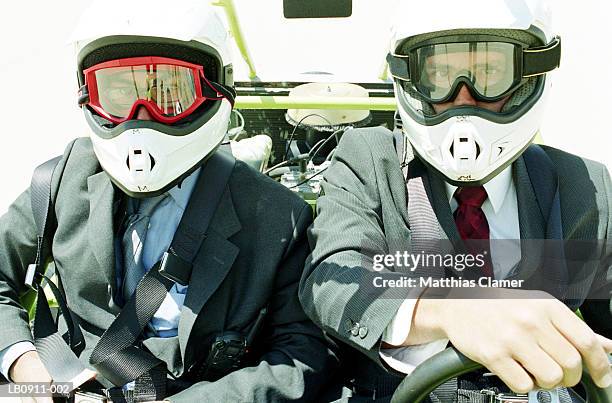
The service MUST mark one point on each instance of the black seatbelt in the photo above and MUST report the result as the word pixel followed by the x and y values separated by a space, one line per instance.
pixel 115 356
pixel 50 345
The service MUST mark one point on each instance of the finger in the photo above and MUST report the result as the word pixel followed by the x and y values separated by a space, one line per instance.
pixel 545 371
pixel 589 346
pixel 606 343
pixel 564 354
pixel 512 374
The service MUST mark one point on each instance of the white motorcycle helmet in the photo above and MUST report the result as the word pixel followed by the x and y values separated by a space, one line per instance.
pixel 173 61
pixel 499 50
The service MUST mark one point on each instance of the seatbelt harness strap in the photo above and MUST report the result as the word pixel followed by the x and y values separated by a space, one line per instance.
pixel 51 346
pixel 113 357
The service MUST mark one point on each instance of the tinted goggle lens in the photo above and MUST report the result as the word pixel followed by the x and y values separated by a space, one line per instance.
pixel 487 67
pixel 170 88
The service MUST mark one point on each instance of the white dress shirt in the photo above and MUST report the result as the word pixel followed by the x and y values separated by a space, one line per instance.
pixel 501 210
pixel 162 226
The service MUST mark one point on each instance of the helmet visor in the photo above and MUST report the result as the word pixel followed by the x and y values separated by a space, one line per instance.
pixel 487 68
pixel 169 89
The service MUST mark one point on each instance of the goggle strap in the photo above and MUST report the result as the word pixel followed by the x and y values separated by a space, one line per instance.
pixel 538 61
pixel 220 91
pixel 228 92
pixel 83 95
pixel 399 66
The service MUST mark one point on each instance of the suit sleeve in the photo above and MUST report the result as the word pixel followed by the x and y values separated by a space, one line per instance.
pixel 296 360
pixel 338 289
pixel 597 311
pixel 18 241
pixel 17 251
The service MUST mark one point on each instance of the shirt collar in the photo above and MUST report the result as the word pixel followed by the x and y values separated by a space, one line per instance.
pixel 181 195
pixel 496 188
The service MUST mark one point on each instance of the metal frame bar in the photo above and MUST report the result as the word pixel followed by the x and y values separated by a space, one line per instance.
pixel 234 26
pixel 345 103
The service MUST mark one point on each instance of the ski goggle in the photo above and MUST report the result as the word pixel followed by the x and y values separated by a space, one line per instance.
pixel 491 68
pixel 168 89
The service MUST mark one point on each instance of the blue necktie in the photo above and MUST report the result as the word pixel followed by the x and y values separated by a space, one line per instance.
pixel 133 241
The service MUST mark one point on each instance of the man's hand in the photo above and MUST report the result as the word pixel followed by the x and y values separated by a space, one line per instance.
pixel 534 340
pixel 29 368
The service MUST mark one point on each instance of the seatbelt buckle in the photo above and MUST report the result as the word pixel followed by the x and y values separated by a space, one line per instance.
pixel 512 398
pixel 174 268
pixel 226 355
pixel 488 395
pixel 534 396
pixel 542 395
pixel 492 396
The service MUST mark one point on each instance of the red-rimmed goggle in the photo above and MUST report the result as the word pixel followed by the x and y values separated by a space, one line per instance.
pixel 169 89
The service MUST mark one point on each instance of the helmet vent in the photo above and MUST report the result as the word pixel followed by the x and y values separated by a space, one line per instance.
pixel 139 152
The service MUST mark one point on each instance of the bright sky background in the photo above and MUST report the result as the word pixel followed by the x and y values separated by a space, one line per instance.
pixel 37 74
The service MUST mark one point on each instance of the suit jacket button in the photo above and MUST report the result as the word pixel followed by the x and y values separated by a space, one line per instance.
pixel 355 330
pixel 348 325
pixel 363 332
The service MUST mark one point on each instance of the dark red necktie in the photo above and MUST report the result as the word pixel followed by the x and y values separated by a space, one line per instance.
pixel 472 222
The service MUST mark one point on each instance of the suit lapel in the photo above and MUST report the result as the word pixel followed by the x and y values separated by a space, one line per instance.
pixel 212 264
pixel 100 224
pixel 532 224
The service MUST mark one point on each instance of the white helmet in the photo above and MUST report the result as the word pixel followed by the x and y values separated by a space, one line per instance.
pixel 501 50
pixel 147 157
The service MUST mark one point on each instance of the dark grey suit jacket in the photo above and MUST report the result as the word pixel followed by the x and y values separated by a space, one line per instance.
pixel 365 204
pixel 253 255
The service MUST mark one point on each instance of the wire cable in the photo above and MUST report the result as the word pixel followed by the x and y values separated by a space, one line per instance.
pixel 309 178
pixel 317 144
pixel 233 133
pixel 295 128
pixel 279 165
pixel 333 135
pixel 299 158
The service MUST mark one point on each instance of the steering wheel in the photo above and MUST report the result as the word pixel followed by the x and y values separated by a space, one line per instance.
pixel 450 363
